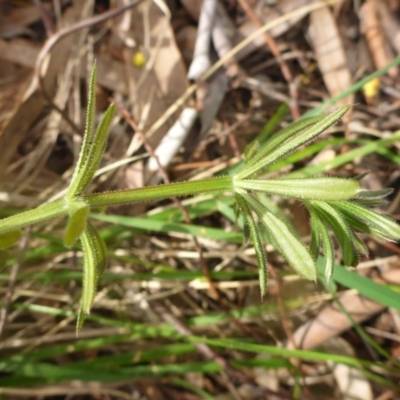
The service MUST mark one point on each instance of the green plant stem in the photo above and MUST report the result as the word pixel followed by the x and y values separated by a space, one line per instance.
pixel 159 192
pixel 58 209
pixel 30 217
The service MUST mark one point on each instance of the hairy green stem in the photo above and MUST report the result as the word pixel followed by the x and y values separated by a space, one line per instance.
pixel 160 192
pixel 58 208
pixel 30 217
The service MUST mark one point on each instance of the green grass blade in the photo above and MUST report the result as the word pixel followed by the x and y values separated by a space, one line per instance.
pixel 341 159
pixel 352 89
pixel 332 289
pixel 273 122
pixel 243 345
pixel 166 226
pixel 360 246
pixel 190 386
pixel 375 291
pixel 265 133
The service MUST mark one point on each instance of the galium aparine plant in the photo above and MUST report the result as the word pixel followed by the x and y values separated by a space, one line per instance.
pixel 339 209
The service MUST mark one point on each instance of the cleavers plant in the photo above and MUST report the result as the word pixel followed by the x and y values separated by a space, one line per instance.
pixel 337 206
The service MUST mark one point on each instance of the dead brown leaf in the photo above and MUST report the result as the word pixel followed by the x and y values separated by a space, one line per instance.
pixel 268 14
pixel 162 80
pixel 390 23
pixel 14 22
pixel 372 28
pixel 331 321
pixel 30 106
pixel 329 52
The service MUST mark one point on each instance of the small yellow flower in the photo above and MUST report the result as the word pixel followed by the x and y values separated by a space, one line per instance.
pixel 139 59
pixel 371 89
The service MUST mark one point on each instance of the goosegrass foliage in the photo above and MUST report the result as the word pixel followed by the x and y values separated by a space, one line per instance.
pixel 338 207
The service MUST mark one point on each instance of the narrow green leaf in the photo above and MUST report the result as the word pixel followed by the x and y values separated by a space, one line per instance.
pixel 326 188
pixel 341 229
pixel 360 246
pixel 361 176
pixel 236 211
pixel 9 238
pixel 318 228
pixel 284 147
pixel 379 225
pixel 328 251
pixel 374 194
pixel 78 212
pixel 286 133
pixel 285 241
pixel 99 142
pixel 93 145
pixel 372 198
pixel 101 249
pixel 246 233
pixel 95 259
pixel 272 207
pixel 257 243
pixel 80 320
pixel 370 203
pixel 315 222
pixel 77 184
pixel 94 155
pixel 363 227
